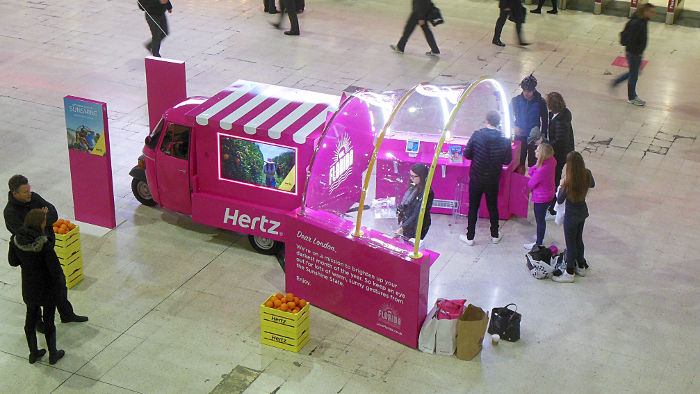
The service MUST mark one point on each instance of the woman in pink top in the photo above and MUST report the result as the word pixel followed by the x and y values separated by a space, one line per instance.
pixel 542 184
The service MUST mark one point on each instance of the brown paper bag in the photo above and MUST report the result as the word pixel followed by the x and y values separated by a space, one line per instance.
pixel 470 332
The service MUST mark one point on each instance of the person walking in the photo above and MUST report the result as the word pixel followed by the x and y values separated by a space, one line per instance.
pixel 20 201
pixel 42 281
pixel 540 3
pixel 269 6
pixel 574 188
pixel 290 8
pixel 419 16
pixel 634 38
pixel 531 120
pixel 516 12
pixel 489 151
pixel 157 22
pixel 543 188
pixel 560 136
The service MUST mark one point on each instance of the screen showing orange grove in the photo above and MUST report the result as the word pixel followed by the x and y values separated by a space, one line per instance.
pixel 260 164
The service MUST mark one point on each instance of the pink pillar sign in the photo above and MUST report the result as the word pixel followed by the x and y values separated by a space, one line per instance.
pixel 90 161
pixel 165 86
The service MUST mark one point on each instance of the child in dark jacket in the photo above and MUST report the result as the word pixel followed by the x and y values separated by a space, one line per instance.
pixel 574 188
pixel 531 118
pixel 408 210
pixel 542 185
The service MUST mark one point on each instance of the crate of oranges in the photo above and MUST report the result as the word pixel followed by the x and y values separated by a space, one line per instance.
pixel 67 249
pixel 284 322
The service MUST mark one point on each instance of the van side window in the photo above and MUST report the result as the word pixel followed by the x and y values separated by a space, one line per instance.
pixel 154 136
pixel 176 142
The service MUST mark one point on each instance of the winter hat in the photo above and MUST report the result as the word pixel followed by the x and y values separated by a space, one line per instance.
pixel 529 83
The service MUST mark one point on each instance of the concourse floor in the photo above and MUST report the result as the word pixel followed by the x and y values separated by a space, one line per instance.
pixel 173 305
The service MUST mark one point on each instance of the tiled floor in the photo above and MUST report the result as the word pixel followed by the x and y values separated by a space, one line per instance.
pixel 173 305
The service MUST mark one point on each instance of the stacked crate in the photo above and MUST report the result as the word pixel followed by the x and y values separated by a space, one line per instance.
pixel 284 330
pixel 68 251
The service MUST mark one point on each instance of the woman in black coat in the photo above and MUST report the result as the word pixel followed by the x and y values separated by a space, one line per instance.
pixel 561 135
pixel 408 210
pixel 42 281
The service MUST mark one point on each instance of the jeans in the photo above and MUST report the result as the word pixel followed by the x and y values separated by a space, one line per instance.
pixel 573 234
pixel 32 318
pixel 408 30
pixel 499 26
pixel 158 25
pixel 540 209
pixel 476 190
pixel 527 151
pixel 634 62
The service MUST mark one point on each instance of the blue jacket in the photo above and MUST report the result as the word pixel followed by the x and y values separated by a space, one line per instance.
pixel 529 114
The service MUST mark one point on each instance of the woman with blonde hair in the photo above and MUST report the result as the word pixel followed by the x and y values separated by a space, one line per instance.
pixel 574 188
pixel 542 185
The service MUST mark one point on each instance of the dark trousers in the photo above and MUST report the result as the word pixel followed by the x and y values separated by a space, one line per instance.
pixel 30 321
pixel 290 7
pixel 269 5
pixel 159 29
pixel 540 3
pixel 476 190
pixel 408 30
pixel 527 151
pixel 557 178
pixel 65 308
pixel 540 209
pixel 573 234
pixel 634 62
pixel 502 21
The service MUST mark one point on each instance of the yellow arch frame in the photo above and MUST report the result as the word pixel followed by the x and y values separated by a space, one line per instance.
pixel 507 126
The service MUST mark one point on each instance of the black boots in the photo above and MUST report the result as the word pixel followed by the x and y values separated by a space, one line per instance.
pixel 54 354
pixel 498 42
pixel 74 318
pixel 35 354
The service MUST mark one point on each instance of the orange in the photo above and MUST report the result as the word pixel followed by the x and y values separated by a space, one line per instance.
pixel 291 305
pixel 279 296
pixel 284 307
pixel 296 310
pixel 290 296
pixel 296 299
pixel 277 303
pixel 269 304
pixel 302 303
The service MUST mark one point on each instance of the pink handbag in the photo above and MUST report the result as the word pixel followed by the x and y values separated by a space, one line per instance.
pixel 450 309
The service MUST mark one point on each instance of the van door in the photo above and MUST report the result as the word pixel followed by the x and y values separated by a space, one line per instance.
pixel 172 169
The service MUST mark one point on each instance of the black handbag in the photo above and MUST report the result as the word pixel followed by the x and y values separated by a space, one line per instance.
pixel 435 17
pixel 518 14
pixel 505 322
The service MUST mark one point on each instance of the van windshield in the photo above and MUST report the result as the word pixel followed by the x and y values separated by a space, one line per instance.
pixel 154 136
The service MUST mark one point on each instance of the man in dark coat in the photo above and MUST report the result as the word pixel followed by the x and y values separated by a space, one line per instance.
pixel 157 22
pixel 634 38
pixel 561 137
pixel 530 112
pixel 419 16
pixel 489 151
pixel 20 201
pixel 289 7
pixel 43 281
pixel 516 11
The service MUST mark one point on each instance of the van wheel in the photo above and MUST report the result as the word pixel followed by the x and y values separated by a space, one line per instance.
pixel 142 192
pixel 264 245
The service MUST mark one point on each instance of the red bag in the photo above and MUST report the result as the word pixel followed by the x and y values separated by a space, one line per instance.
pixel 450 309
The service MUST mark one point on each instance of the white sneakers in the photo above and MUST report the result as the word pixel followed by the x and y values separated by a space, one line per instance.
pixel 529 246
pixel 637 101
pixel 464 239
pixel 497 239
pixel 581 271
pixel 565 277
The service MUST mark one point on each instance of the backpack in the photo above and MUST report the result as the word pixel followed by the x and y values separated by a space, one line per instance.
pixel 540 253
pixel 625 35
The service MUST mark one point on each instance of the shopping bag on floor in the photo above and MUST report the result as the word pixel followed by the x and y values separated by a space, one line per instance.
pixel 506 323
pixel 559 218
pixel 426 337
pixel 470 332
pixel 446 335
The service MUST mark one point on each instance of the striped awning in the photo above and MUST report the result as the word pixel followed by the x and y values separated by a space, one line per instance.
pixel 261 108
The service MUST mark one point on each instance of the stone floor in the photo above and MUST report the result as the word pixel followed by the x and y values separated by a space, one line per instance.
pixel 173 305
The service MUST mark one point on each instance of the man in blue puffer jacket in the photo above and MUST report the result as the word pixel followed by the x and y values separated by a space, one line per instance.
pixel 530 112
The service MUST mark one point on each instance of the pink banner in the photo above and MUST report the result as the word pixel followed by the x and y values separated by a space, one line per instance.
pixel 90 161
pixel 355 279
pixel 165 86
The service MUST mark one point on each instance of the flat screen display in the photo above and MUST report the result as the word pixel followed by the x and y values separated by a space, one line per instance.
pixel 259 164
pixel 412 146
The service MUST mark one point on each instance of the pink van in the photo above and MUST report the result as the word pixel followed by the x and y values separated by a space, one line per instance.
pixel 237 160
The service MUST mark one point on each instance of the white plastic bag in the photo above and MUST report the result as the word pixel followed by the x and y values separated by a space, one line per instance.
pixel 426 337
pixel 446 337
pixel 559 219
